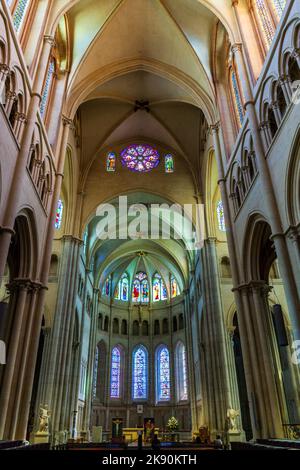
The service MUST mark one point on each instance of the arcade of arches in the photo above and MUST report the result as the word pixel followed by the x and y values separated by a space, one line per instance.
pixel 165 102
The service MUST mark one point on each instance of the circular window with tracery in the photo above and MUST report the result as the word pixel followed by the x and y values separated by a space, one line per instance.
pixel 140 158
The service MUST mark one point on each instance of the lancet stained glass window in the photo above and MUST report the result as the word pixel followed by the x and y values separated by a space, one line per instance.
pixel 59 214
pixel 140 158
pixel 279 6
pixel 236 97
pixel 47 86
pixel 106 287
pixel 139 373
pixel 95 373
pixel 159 291
pixel 140 290
pixel 174 287
pixel 111 162
pixel 265 21
pixel 19 14
pixel 122 288
pixel 181 372
pixel 169 163
pixel 220 216
pixel 115 378
pixel 163 374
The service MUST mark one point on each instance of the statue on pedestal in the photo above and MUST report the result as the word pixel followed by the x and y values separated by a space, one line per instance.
pixel 44 419
pixel 231 419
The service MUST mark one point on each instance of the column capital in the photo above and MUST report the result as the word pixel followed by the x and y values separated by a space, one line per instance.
pixel 24 284
pixel 236 47
pixel 293 232
pixel 283 77
pixel 214 128
pixel 221 180
pixel 260 287
pixel 67 121
pixel 4 69
pixel 21 117
pixel 49 40
pixel 72 238
pixel 296 53
pixel 274 104
pixel 7 229
pixel 11 95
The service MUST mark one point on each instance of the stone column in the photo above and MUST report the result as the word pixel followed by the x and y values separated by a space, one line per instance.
pixel 286 88
pixel 30 370
pixel 276 111
pixel 270 200
pixel 190 360
pixel 4 72
pixel 19 171
pixel 24 360
pixel 236 280
pixel 264 338
pixel 223 393
pixel 90 364
pixel 58 378
pixel 21 287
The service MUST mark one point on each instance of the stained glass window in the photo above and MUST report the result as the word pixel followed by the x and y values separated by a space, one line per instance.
pixel 95 373
pixel 115 378
pixel 111 162
pixel 139 373
pixel 85 240
pixel 140 158
pixel 265 21
pixel 220 216
pixel 181 372
pixel 59 214
pixel 159 291
pixel 47 86
pixel 163 374
pixel 174 287
pixel 106 287
pixel 140 290
pixel 169 163
pixel 236 97
pixel 20 13
pixel 279 6
pixel 122 288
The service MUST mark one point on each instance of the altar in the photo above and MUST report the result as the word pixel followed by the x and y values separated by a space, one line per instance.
pixel 131 434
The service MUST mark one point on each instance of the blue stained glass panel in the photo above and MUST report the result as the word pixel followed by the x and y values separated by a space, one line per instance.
pixel 115 373
pixel 237 97
pixel 47 86
pixel 59 214
pixel 220 216
pixel 140 374
pixel 163 374
pixel 19 13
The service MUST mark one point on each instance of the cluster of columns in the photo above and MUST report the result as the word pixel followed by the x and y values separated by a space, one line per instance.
pixel 27 295
pixel 219 383
pixel 264 387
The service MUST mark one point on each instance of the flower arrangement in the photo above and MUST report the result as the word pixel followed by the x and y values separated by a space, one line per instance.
pixel 172 424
